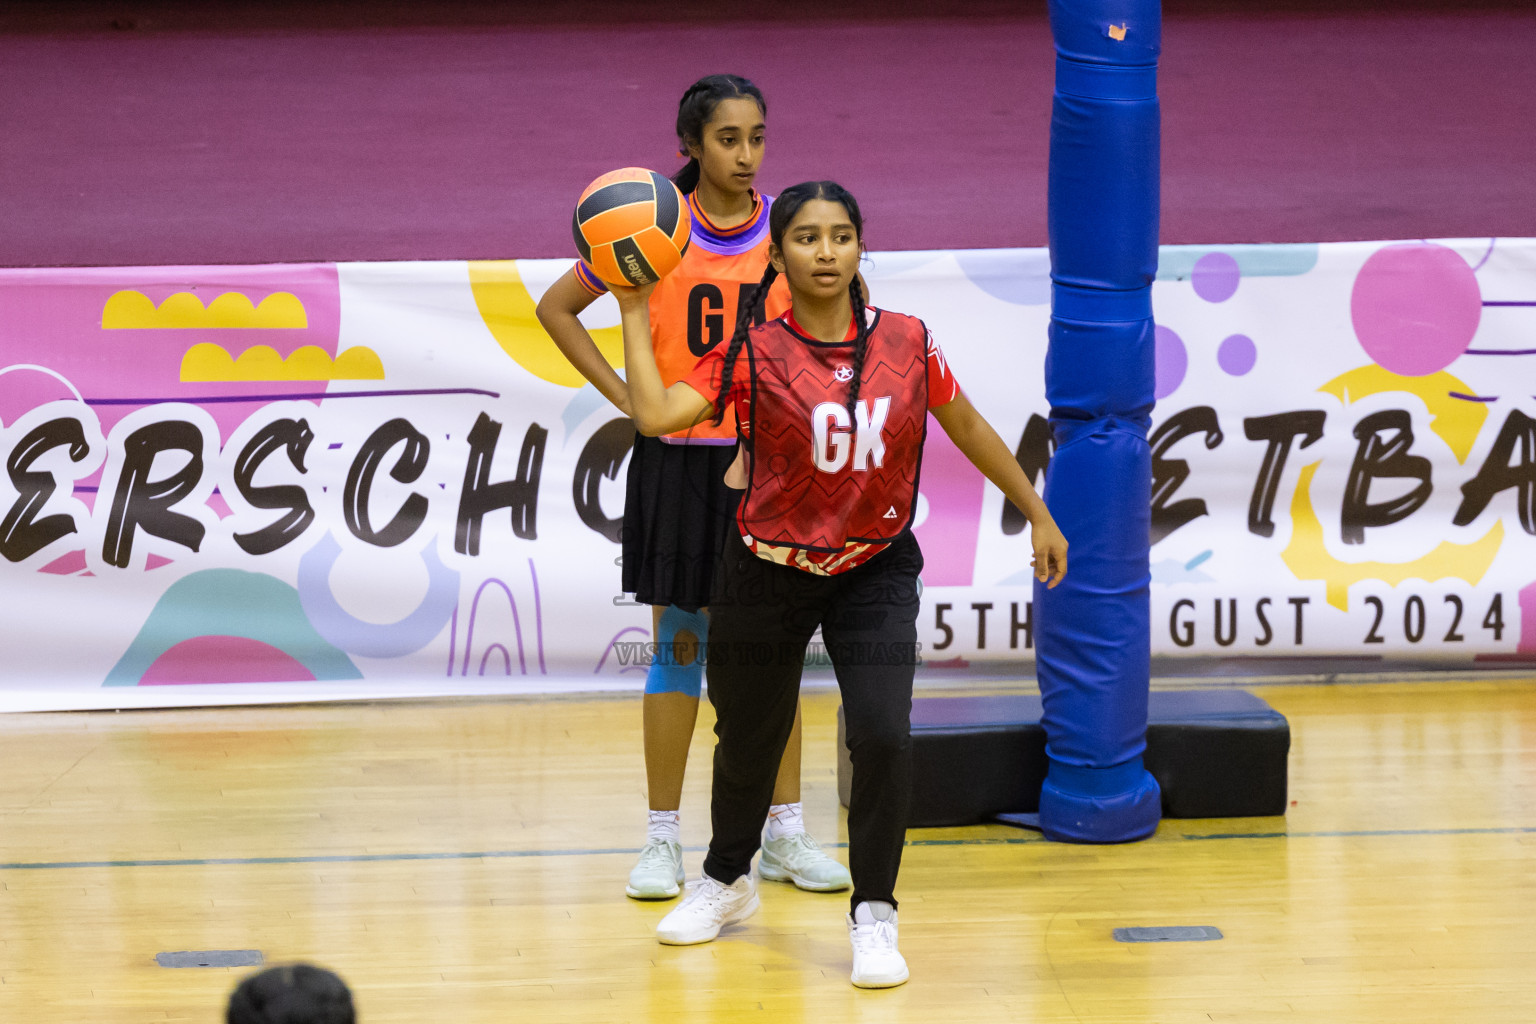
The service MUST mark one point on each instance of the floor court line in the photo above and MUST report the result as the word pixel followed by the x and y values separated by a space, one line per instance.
pixel 366 858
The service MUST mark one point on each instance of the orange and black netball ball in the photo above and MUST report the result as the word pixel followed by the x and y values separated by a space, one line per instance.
pixel 631 226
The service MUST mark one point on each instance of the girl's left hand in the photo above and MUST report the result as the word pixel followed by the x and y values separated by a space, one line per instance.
pixel 736 475
pixel 1050 560
pixel 630 298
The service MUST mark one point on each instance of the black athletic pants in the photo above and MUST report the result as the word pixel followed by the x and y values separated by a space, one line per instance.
pixel 762 617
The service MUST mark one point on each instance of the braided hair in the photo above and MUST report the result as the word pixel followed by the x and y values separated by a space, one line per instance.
pixel 860 342
pixel 750 303
pixel 694 111
pixel 779 216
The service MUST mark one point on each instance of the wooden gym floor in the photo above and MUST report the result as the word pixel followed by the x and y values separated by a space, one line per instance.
pixel 463 862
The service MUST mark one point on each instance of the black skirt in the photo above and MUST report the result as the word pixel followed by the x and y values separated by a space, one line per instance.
pixel 677 514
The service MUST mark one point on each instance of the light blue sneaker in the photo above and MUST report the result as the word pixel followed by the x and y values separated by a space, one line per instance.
pixel 798 859
pixel 659 873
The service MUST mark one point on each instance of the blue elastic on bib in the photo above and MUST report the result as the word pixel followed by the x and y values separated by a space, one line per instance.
pixel 665 674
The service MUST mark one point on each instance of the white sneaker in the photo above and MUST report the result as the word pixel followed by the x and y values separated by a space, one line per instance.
pixel 877 963
pixel 798 859
pixel 659 873
pixel 708 907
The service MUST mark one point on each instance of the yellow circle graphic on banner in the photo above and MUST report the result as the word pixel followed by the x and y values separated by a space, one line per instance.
pixel 1457 423
pixel 508 310
pixel 1307 556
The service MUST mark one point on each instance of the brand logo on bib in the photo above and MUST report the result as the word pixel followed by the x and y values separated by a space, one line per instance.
pixel 844 373
pixel 890 513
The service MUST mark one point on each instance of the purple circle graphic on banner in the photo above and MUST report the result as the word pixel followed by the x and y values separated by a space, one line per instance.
pixel 375 639
pixel 1415 307
pixel 1215 277
pixel 1237 354
pixel 1170 362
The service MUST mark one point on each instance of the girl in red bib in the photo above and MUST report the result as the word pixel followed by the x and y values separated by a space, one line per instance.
pixel 831 403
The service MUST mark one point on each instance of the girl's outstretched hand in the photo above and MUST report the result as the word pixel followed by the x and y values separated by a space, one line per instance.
pixel 1050 560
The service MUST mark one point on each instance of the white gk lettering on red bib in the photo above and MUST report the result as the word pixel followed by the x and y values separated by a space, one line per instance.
pixel 830 430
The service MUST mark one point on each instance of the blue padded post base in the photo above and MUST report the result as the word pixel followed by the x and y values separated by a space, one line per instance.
pixel 1118 804
pixel 1214 754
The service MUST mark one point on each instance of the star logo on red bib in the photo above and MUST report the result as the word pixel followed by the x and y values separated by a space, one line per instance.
pixel 844 373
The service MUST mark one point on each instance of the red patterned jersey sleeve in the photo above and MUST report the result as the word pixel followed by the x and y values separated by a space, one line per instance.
pixel 705 375
pixel 942 386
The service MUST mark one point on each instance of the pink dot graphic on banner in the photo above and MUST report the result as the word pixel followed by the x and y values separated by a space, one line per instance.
pixel 1215 276
pixel 1237 354
pixel 1170 362
pixel 1415 307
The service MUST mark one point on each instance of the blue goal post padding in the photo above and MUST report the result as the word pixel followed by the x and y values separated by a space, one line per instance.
pixel 1094 635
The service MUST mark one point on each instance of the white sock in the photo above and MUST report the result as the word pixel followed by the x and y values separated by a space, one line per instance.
pixel 666 825
pixel 871 911
pixel 786 820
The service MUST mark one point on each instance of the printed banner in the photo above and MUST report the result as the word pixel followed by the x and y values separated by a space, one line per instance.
pixel 228 484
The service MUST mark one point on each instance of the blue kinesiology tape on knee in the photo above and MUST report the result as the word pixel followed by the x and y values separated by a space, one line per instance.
pixel 665 674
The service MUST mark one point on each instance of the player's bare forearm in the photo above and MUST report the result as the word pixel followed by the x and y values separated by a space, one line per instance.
pixel 655 408
pixel 974 436
pixel 558 313
pixel 976 439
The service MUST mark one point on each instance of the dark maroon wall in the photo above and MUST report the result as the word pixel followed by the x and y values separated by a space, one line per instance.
pixel 263 132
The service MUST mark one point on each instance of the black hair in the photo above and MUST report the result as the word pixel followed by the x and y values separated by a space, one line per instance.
pixel 694 111
pixel 295 994
pixel 780 214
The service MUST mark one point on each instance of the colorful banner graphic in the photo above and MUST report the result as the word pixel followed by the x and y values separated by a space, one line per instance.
pixel 228 484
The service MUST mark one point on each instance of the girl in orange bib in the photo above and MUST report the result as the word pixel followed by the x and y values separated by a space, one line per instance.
pixel 677 509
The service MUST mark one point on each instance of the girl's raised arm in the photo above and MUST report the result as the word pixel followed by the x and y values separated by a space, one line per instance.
pixel 974 436
pixel 557 311
pixel 656 409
